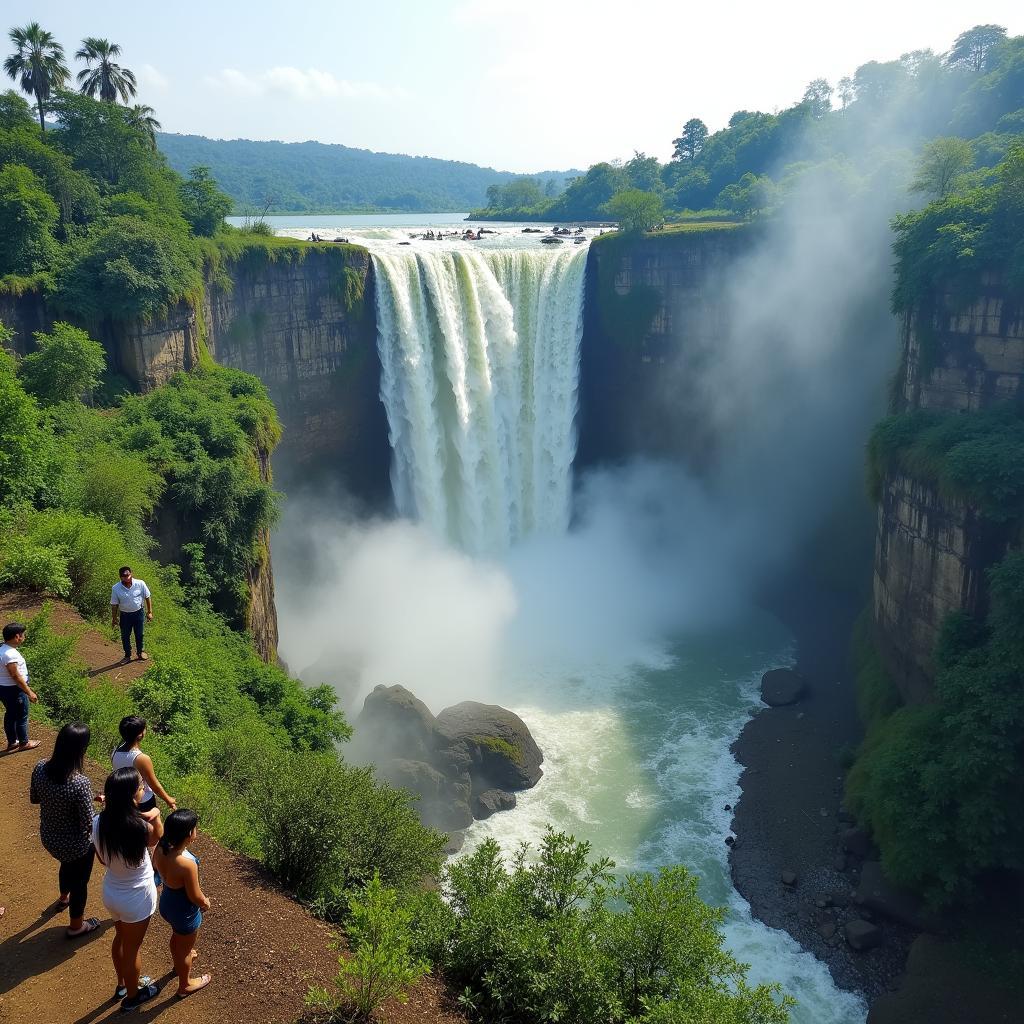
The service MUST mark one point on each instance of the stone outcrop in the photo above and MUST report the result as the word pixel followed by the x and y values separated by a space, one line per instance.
pixel 466 763
pixel 932 550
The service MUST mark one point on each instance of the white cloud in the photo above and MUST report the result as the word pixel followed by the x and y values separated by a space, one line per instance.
pixel 311 84
pixel 151 78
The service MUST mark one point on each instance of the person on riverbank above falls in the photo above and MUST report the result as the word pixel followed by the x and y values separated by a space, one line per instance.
pixel 126 598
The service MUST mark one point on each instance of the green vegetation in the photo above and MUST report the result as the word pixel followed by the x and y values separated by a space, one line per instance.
pixel 977 458
pixel 557 939
pixel 499 746
pixel 877 696
pixel 381 965
pixel 300 177
pixel 940 784
pixel 965 107
pixel 954 240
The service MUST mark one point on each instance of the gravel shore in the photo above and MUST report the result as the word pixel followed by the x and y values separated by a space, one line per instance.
pixel 790 818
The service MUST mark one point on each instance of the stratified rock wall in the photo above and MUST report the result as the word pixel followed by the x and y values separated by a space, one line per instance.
pixel 932 550
pixel 652 304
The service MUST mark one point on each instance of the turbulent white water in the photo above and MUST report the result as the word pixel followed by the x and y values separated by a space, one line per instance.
pixel 479 351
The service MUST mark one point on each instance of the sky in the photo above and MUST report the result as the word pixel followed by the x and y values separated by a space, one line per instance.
pixel 521 85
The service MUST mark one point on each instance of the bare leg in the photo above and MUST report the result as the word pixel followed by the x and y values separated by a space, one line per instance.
pixel 115 953
pixel 182 953
pixel 131 954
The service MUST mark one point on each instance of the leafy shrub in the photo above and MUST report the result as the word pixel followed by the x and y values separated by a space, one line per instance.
pixel 61 686
pixel 66 365
pixel 542 940
pixel 27 218
pixel 34 567
pixel 381 965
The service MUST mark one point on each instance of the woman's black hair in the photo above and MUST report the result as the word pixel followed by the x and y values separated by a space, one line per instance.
pixel 68 752
pixel 177 828
pixel 122 830
pixel 131 728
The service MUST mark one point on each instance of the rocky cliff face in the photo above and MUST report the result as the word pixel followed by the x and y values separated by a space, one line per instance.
pixel 931 551
pixel 306 328
pixel 651 305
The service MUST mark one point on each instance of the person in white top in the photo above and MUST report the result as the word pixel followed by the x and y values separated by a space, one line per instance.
pixel 124 836
pixel 127 597
pixel 15 692
pixel 129 755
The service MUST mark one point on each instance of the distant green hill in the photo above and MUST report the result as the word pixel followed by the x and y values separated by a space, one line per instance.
pixel 313 177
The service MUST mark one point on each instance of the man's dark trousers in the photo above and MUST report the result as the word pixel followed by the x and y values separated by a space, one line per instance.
pixel 131 622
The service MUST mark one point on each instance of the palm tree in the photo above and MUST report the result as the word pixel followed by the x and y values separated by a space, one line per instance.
pixel 141 118
pixel 108 79
pixel 37 64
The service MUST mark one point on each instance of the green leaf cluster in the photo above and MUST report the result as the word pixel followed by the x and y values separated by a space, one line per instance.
pixel 554 937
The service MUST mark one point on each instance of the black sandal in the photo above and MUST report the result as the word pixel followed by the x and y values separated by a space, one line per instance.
pixel 144 995
pixel 89 925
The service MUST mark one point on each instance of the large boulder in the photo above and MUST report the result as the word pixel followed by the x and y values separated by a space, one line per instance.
pixel 492 743
pixel 394 723
pixel 884 897
pixel 781 686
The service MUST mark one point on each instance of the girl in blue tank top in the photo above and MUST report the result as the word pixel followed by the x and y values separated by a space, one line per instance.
pixel 182 901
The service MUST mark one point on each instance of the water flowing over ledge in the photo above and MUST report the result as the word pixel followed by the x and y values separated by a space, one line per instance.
pixel 480 365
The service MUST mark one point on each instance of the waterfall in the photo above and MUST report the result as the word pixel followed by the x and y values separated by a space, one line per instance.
pixel 479 353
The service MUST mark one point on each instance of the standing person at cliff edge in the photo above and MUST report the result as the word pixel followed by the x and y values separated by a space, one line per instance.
pixel 127 597
pixel 15 693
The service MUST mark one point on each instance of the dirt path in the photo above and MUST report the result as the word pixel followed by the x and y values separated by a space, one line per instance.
pixel 261 947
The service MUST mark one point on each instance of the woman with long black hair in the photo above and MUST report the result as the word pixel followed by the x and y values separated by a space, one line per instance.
pixel 123 837
pixel 64 795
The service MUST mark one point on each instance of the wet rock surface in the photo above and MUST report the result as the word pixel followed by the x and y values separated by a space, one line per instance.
pixel 464 764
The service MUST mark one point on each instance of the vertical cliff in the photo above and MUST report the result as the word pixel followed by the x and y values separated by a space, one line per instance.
pixel 650 300
pixel 932 549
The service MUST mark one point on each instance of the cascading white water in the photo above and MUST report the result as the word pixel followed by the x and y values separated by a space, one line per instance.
pixel 479 352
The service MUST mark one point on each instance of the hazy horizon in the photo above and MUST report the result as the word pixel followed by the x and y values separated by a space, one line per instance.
pixel 518 86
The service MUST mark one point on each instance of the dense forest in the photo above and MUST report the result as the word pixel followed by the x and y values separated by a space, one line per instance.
pixel 300 177
pixel 871 123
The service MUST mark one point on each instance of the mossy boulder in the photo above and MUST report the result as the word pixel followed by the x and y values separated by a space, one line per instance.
pixel 492 742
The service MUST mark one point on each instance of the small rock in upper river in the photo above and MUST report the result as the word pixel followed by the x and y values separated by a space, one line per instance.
pixel 789 877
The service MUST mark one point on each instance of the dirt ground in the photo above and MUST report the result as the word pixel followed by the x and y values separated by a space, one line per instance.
pixel 261 947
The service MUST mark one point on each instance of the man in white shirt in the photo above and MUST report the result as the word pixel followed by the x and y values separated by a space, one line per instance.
pixel 15 693
pixel 127 598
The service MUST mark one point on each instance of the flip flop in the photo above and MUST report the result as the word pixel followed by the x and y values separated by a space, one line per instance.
pixel 31 745
pixel 89 925
pixel 204 981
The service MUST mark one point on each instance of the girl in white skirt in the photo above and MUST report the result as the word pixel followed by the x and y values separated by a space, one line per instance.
pixel 124 836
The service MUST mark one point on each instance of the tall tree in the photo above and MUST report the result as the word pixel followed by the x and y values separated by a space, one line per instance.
pixel 144 120
pixel 691 141
pixel 942 162
pixel 37 64
pixel 818 97
pixel 971 48
pixel 101 76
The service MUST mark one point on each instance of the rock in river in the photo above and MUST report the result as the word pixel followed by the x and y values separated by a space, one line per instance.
pixel 781 686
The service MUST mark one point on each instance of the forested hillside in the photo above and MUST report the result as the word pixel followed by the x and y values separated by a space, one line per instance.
pixel 847 137
pixel 314 177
